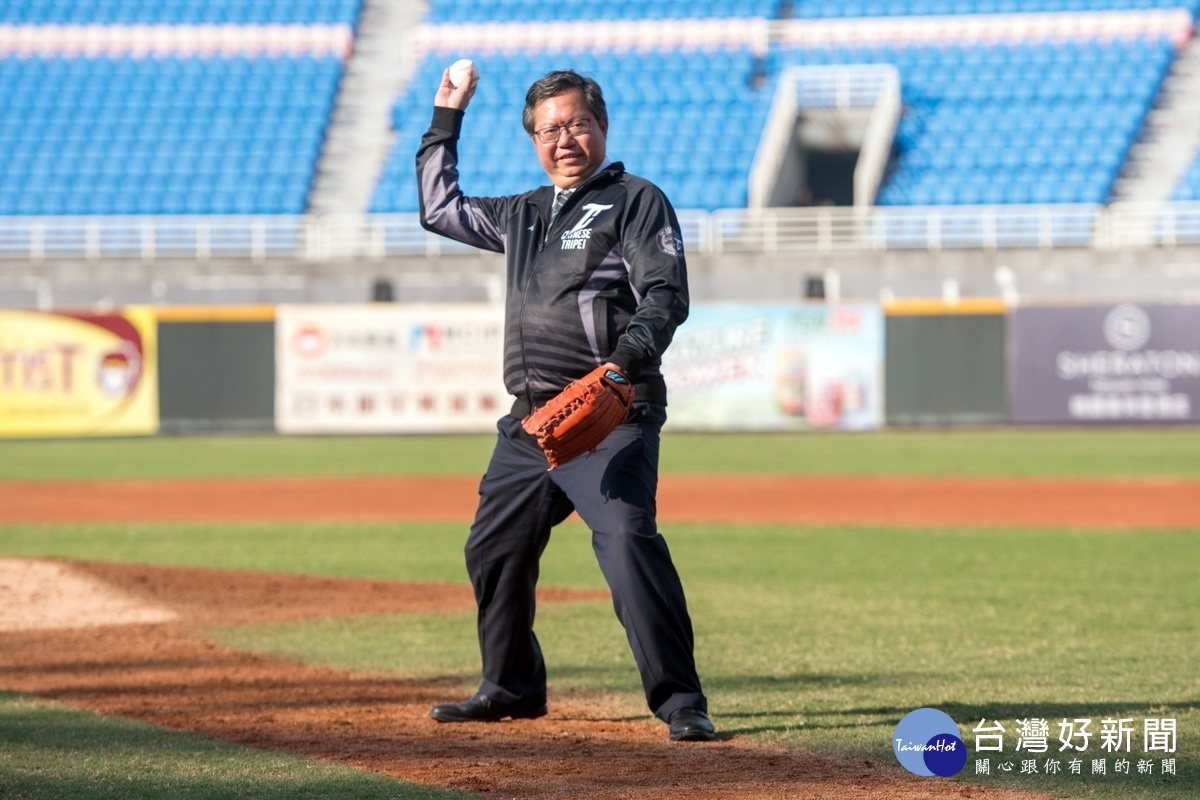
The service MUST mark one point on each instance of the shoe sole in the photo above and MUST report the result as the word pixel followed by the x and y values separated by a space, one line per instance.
pixel 694 736
pixel 532 713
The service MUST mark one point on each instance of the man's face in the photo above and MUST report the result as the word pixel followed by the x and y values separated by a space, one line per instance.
pixel 568 160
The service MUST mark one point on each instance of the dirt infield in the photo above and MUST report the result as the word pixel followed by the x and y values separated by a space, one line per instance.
pixel 1101 503
pixel 167 673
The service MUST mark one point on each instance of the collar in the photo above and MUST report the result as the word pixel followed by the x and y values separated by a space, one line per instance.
pixel 603 166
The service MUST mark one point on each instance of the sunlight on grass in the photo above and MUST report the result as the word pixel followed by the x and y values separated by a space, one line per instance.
pixel 823 638
pixel 1052 452
pixel 812 637
pixel 50 752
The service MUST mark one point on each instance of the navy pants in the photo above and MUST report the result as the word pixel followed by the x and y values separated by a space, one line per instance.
pixel 613 490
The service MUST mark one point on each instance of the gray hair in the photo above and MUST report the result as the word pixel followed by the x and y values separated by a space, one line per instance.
pixel 553 84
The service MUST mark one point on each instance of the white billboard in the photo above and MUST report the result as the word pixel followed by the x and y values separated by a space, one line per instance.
pixel 389 368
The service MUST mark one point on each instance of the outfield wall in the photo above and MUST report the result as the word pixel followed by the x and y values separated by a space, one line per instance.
pixel 217 369
pixel 434 368
pixel 946 364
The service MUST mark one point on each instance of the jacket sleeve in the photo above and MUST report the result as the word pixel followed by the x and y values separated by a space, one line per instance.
pixel 653 252
pixel 476 221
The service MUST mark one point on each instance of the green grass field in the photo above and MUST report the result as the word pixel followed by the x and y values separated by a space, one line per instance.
pixel 819 638
pixel 1116 452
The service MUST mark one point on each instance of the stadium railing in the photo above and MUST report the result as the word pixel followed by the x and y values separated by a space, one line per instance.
pixel 771 230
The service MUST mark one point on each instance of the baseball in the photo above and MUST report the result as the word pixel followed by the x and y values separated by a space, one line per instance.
pixel 464 71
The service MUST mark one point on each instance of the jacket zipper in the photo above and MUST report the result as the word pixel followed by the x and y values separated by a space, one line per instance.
pixel 537 265
pixel 521 317
pixel 521 329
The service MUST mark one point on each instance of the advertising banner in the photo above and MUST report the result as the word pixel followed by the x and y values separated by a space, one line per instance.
pixel 389 369
pixel 78 374
pixel 1114 363
pixel 799 366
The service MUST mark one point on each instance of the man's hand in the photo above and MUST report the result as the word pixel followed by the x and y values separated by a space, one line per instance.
pixel 450 97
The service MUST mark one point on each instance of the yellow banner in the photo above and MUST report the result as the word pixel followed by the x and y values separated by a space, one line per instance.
pixel 78 374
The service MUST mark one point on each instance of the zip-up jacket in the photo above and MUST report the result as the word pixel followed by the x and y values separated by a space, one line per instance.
pixel 605 282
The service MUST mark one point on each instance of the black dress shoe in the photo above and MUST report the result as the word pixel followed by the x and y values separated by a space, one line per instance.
pixel 482 708
pixel 691 725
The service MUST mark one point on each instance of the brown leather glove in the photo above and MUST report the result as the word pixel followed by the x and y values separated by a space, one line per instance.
pixel 581 416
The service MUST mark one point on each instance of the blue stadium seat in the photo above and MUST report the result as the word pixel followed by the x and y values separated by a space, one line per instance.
pixel 1058 109
pixel 815 9
pixel 179 12
pixel 716 106
pixel 147 136
pixel 1188 186
pixel 1000 122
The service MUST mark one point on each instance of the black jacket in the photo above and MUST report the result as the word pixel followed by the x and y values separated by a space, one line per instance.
pixel 607 282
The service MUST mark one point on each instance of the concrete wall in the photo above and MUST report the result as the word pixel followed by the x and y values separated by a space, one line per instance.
pixel 1014 274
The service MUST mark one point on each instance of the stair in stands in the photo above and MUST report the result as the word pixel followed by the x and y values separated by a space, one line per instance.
pixel 1171 135
pixel 359 135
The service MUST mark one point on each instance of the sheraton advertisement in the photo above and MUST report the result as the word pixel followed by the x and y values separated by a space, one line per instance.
pixel 1121 363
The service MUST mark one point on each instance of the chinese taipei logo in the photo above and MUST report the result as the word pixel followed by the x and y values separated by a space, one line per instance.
pixel 577 237
pixel 928 742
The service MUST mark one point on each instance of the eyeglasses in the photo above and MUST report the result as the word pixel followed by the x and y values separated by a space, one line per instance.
pixel 576 127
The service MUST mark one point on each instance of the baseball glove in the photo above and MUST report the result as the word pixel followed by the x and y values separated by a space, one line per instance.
pixel 579 418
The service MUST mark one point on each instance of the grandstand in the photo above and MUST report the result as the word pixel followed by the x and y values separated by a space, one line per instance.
pixel 141 136
pixel 262 150
pixel 1189 185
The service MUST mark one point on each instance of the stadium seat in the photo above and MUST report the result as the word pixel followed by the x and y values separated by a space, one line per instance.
pixel 179 12
pixel 161 123
pixel 1046 119
pixel 497 150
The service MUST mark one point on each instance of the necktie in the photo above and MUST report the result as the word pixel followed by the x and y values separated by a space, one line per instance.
pixel 558 203
pixel 559 199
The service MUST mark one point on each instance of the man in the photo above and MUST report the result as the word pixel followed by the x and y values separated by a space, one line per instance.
pixel 596 277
